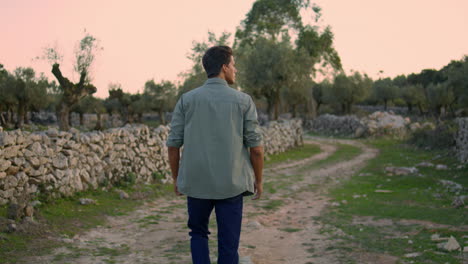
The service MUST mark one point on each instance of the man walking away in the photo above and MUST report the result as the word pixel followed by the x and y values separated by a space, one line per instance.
pixel 222 157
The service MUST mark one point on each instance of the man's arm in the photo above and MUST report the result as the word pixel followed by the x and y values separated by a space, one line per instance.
pixel 253 140
pixel 174 158
pixel 256 158
pixel 175 140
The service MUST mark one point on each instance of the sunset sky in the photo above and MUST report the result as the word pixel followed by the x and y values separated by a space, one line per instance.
pixel 145 39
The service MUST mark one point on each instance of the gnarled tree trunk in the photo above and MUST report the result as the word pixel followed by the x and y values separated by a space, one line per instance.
pixel 72 94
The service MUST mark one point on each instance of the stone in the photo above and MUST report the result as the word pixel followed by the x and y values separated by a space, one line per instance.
pixel 37 149
pixel 10 182
pixel 86 201
pixel 425 164
pixel 383 191
pixel 452 244
pixel 11 228
pixel 35 137
pixel 35 162
pixel 451 186
pixel 29 211
pixel 413 255
pixel 9 139
pixel 123 195
pixel 441 167
pixel 436 237
pixel 2 175
pixel 4 165
pixel 245 260
pixel 11 152
pixel 459 201
pixel 254 225
pixel 60 142
pixel 52 132
pixel 401 170
pixel 35 203
pixel 60 161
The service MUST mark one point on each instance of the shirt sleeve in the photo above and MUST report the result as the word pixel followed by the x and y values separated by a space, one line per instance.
pixel 176 135
pixel 252 134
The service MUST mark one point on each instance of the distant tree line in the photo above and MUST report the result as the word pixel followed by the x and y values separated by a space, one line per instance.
pixel 279 59
pixel 439 93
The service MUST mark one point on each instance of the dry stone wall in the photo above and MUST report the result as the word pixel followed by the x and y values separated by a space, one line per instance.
pixel 462 140
pixel 375 124
pixel 55 163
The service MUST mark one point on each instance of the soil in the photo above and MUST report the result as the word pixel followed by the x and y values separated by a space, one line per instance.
pixel 285 233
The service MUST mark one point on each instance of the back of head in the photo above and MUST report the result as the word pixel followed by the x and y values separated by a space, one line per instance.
pixel 214 58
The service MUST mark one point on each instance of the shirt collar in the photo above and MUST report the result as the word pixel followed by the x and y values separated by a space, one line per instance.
pixel 216 80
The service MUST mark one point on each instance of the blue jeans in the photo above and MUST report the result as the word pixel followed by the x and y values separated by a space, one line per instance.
pixel 229 220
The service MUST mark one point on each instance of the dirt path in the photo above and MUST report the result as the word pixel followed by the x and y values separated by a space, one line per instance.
pixel 280 228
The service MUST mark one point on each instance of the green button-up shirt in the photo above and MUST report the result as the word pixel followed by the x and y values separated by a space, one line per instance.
pixel 216 125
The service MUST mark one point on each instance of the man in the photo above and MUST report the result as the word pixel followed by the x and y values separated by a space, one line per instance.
pixel 218 127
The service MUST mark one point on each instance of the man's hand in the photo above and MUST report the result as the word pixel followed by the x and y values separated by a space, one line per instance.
pixel 258 190
pixel 174 158
pixel 176 190
pixel 256 158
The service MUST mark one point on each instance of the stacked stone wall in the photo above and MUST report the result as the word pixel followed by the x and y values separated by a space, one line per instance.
pixel 462 140
pixel 55 163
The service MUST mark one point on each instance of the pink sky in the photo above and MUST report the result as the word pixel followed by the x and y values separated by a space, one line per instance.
pixel 147 39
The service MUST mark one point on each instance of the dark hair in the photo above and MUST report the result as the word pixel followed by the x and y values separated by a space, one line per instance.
pixel 214 59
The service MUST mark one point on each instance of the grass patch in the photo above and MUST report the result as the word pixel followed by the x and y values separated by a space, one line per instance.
pixel 272 204
pixel 65 217
pixel 342 153
pixel 418 197
pixel 290 229
pixel 303 152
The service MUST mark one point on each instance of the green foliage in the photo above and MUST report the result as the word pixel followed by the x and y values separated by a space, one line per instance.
pixel 157 176
pixel 348 90
pixel 457 80
pixel 439 96
pixel 319 91
pixel 385 90
pixel 274 68
pixel 269 18
pixel 270 69
pixel 129 179
pixel 85 54
pixel 22 91
pixel 126 104
pixel 412 95
pixel 319 47
pixel 159 97
pixel 196 76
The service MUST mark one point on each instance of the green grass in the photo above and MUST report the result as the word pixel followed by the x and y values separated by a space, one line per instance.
pixel 303 152
pixel 65 217
pixel 290 229
pixel 344 152
pixel 412 198
pixel 272 204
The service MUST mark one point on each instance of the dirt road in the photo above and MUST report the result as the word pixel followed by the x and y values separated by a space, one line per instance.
pixel 279 228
